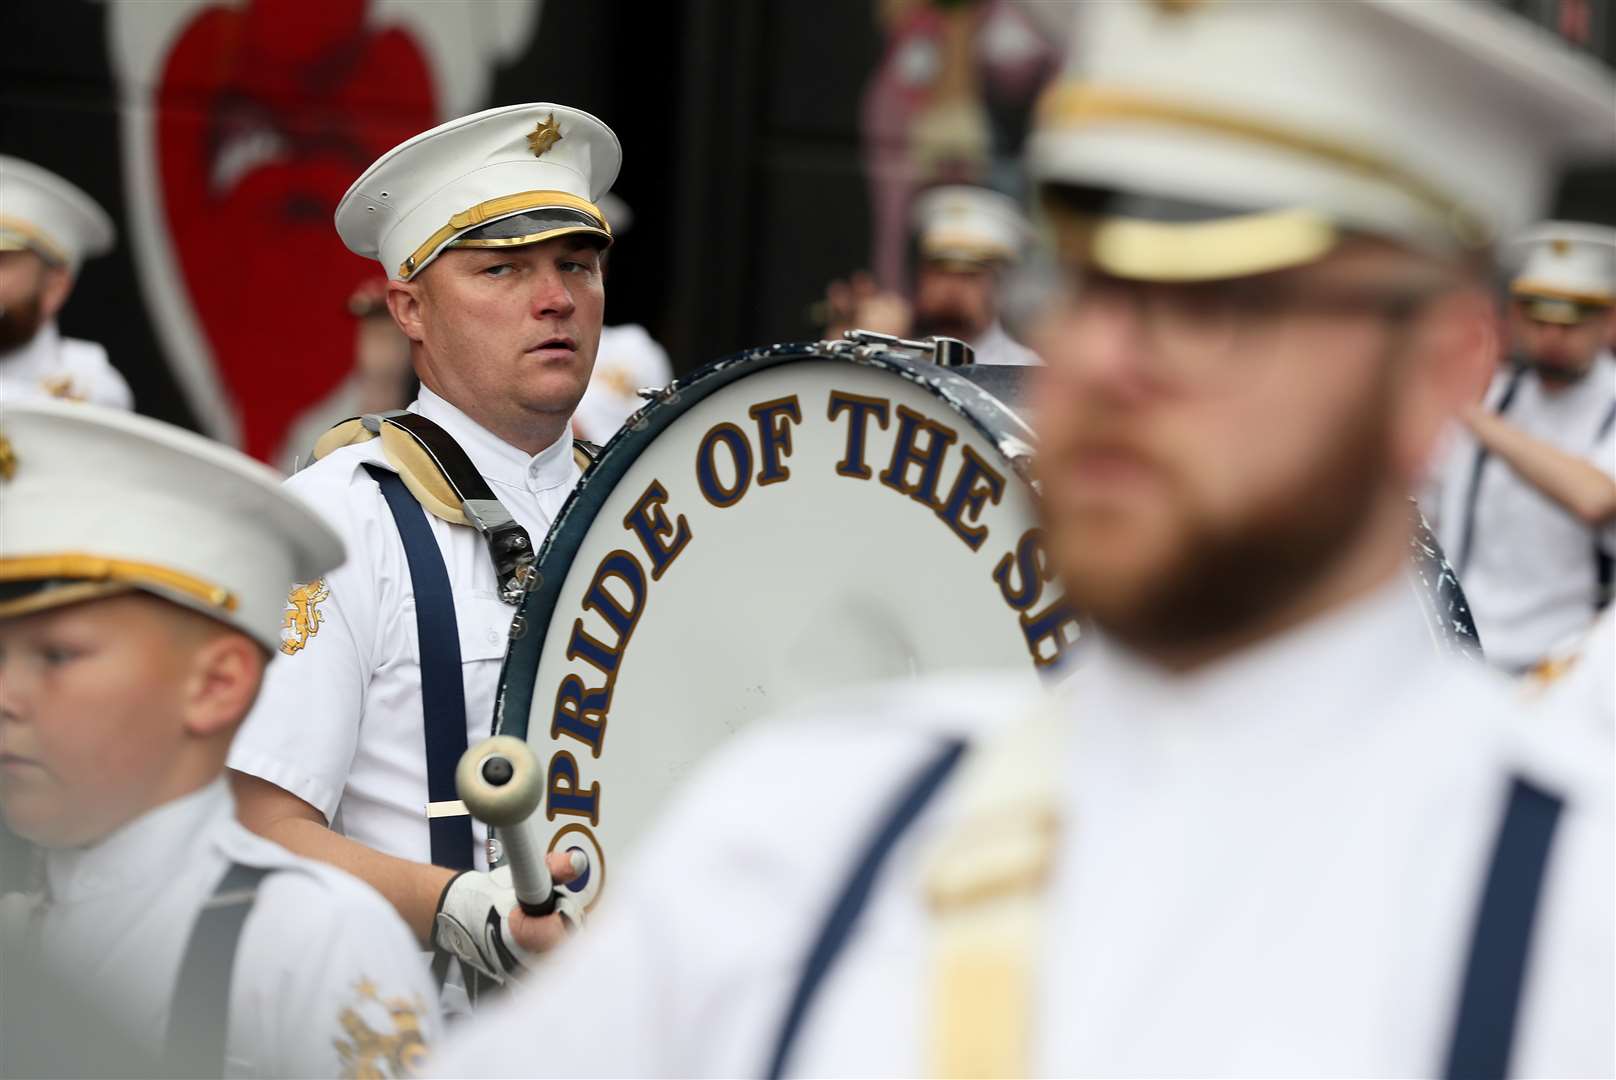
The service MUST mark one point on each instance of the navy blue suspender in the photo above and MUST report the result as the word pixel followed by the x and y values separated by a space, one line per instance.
pixel 844 915
pixel 443 689
pixel 1468 535
pixel 1495 967
pixel 1501 939
pixel 1604 561
pixel 199 1017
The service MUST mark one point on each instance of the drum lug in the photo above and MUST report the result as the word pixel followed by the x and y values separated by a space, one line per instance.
pixel 942 351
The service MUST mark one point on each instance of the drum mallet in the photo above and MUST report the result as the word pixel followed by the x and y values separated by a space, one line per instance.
pixel 500 783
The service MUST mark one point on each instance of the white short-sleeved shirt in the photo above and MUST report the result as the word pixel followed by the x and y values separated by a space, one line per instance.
pixel 319 950
pixel 629 359
pixel 1577 683
pixel 1266 868
pixel 52 366
pixel 339 721
pixel 1531 574
pixel 996 346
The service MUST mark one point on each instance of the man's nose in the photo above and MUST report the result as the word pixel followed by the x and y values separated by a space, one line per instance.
pixel 552 297
pixel 13 690
pixel 1106 344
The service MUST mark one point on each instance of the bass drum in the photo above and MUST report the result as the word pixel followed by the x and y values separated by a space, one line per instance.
pixel 784 522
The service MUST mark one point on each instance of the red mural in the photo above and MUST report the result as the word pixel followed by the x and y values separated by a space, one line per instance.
pixel 264 115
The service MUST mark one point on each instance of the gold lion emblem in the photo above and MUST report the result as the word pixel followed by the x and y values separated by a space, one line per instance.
pixel 302 619
pixel 369 1054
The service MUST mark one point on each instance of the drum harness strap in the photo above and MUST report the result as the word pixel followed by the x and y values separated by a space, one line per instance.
pixel 985 880
pixel 1604 561
pixel 433 474
pixel 199 1017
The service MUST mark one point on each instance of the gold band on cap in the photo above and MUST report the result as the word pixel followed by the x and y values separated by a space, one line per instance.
pixel 944 245
pixel 1526 289
pixel 35 239
pixel 81 567
pixel 1076 104
pixel 1197 251
pixel 504 206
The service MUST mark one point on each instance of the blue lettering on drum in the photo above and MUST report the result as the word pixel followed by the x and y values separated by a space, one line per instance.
pixel 1051 630
pixel 618 592
pixel 712 488
pixel 774 420
pixel 859 409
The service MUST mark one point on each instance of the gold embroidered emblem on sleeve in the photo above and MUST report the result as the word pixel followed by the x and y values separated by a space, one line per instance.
pixel 302 619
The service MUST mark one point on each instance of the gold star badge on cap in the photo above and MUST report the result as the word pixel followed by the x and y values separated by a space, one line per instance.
pixel 8 459
pixel 546 135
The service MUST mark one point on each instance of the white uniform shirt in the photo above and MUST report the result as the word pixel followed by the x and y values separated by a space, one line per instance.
pixel 1268 868
pixel 996 346
pixel 1577 684
pixel 339 721
pixel 52 366
pixel 319 950
pixel 1530 578
pixel 629 359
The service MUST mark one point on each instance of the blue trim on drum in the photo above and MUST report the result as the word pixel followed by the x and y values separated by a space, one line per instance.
pixel 513 705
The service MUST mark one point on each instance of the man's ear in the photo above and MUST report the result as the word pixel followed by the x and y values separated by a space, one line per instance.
pixel 55 287
pixel 404 300
pixel 225 672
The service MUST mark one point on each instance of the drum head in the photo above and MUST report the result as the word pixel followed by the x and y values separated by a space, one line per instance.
pixel 785 522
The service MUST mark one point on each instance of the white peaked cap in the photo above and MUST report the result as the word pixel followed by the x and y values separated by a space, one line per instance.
pixel 539 170
pixel 1571 265
pixel 41 212
pixel 99 501
pixel 1247 133
pixel 969 224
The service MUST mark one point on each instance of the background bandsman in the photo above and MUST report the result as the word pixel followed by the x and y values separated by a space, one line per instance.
pixel 48 227
pixel 966 238
pixel 1527 506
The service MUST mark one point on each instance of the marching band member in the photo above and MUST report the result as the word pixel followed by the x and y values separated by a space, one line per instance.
pixel 489 230
pixel 141 586
pixel 1265 829
pixel 492 238
pixel 48 227
pixel 1527 509
pixel 966 239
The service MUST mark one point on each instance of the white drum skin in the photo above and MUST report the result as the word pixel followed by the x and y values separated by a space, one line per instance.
pixel 807 527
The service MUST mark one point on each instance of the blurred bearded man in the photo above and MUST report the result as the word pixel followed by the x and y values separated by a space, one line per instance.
pixel 1265 828
pixel 48 227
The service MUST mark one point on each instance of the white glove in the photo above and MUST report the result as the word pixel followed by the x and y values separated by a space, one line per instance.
pixel 473 922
